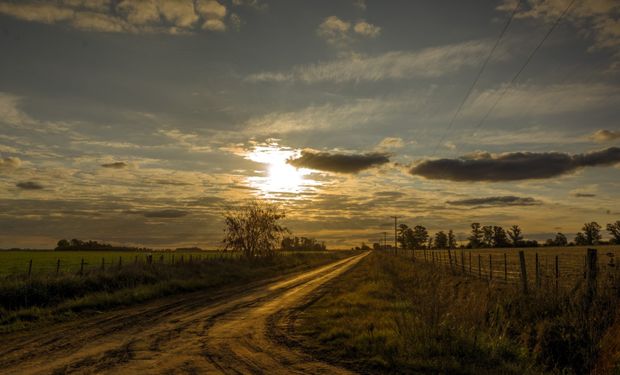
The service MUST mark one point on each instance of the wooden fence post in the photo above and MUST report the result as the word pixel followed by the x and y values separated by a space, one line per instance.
pixel 470 262
pixel 82 267
pixel 523 271
pixel 450 258
pixel 537 269
pixel 462 262
pixel 120 262
pixel 135 260
pixel 479 266
pixel 505 268
pixel 57 266
pixel 490 267
pixel 30 268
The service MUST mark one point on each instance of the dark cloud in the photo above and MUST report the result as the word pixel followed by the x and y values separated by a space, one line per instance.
pixel 115 165
pixel 29 185
pixel 168 214
pixel 507 200
pixel 513 166
pixel 339 163
pixel 584 195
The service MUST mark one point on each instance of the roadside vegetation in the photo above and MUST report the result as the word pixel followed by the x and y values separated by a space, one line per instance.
pixel 46 298
pixel 391 315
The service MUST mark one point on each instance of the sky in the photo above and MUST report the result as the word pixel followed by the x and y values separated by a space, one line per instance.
pixel 142 122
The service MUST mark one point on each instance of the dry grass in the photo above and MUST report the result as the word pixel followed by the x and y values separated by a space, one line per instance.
pixel 390 315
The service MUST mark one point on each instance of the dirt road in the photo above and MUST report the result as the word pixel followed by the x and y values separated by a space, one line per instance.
pixel 233 332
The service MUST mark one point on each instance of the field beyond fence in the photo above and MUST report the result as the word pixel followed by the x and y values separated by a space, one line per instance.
pixel 544 267
pixel 37 263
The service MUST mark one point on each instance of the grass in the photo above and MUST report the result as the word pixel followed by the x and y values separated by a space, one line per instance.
pixel 45 261
pixel 391 315
pixel 27 302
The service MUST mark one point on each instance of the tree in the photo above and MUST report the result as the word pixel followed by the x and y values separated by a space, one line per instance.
pixel 614 230
pixel 499 237
pixel 254 229
pixel 580 239
pixel 420 236
pixel 441 240
pixel 592 232
pixel 402 229
pixel 63 244
pixel 515 235
pixel 475 239
pixel 376 246
pixel 451 240
pixel 560 240
pixel 487 236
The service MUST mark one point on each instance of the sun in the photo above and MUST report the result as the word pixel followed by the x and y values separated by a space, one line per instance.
pixel 279 176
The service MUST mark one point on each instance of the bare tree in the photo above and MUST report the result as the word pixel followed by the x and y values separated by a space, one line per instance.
pixel 253 229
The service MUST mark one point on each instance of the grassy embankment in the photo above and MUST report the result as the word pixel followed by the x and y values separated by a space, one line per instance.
pixel 46 298
pixel 390 315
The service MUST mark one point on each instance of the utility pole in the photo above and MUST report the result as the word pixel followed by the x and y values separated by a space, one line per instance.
pixel 395 235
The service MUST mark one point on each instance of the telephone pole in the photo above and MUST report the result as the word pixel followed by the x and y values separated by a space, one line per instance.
pixel 395 231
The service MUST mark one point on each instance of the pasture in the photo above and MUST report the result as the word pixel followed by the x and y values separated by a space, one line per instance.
pixel 51 262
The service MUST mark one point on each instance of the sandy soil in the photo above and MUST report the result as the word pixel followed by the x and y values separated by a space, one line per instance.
pixel 236 331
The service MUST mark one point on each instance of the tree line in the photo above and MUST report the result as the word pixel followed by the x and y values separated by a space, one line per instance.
pixel 495 236
pixel 75 244
pixel 302 244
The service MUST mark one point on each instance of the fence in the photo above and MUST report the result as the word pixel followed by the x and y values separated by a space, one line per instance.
pixel 58 263
pixel 530 268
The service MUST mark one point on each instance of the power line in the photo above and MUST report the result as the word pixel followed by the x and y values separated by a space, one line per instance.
pixel 527 61
pixel 482 68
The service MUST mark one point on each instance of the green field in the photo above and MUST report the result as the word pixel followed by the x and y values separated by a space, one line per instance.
pixel 18 262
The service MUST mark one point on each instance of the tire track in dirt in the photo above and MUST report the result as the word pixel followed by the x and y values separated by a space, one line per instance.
pixel 195 333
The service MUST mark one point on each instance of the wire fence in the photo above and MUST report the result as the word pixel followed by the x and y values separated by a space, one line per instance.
pixel 51 263
pixel 529 267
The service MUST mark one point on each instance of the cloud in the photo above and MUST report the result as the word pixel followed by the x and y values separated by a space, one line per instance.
pixel 9 163
pixel 395 65
pixel 366 29
pixel 390 143
pixel 130 16
pixel 334 31
pixel 115 165
pixel 605 135
pixel 339 163
pixel 29 185
pixel 512 166
pixel 584 195
pixel 596 19
pixel 501 201
pixel 165 214
pixel 339 33
pixel 361 4
pixel 543 100
pixel 329 116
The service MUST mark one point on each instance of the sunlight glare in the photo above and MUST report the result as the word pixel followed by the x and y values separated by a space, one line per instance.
pixel 280 177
